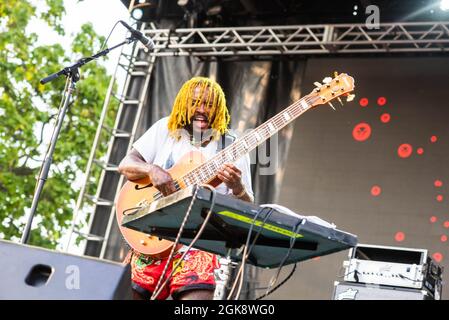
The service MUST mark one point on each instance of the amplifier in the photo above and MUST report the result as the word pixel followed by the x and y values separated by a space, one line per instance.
pixel 394 266
pixel 362 291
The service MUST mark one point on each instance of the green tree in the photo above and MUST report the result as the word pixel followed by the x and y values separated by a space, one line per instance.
pixel 28 109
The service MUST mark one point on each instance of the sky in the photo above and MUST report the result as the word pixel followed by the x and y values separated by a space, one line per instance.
pixel 103 14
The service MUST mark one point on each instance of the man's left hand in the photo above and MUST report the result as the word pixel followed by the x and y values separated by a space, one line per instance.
pixel 232 177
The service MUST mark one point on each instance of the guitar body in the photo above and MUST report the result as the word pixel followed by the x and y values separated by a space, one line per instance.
pixel 137 191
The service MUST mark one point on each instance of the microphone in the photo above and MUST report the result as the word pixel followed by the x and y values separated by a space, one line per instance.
pixel 147 42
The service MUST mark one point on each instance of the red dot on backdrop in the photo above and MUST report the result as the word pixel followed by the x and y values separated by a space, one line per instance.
pixel 405 150
pixel 385 118
pixel 363 102
pixel 443 238
pixel 433 139
pixel 439 198
pixel 446 224
pixel 361 132
pixel 438 183
pixel 399 236
pixel 437 256
pixel 420 151
pixel 433 219
pixel 376 190
pixel 381 101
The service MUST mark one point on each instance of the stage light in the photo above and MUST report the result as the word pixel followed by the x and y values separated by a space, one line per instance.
pixel 444 5
pixel 137 14
pixel 183 3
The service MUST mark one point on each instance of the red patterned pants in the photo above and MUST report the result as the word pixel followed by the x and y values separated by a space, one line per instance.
pixel 196 271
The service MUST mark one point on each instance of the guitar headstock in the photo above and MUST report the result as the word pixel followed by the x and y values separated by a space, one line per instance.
pixel 332 88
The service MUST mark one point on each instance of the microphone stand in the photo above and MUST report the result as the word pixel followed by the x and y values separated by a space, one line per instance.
pixel 72 74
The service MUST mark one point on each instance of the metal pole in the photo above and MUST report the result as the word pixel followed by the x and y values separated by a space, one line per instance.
pixel 45 168
pixel 72 74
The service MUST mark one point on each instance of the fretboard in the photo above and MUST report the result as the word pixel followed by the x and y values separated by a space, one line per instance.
pixel 243 145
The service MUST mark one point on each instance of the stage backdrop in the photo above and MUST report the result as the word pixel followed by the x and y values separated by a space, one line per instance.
pixel 376 167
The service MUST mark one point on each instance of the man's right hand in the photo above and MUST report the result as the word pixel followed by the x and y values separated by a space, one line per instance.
pixel 162 180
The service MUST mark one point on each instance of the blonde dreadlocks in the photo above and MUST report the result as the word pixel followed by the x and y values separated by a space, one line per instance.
pixel 184 107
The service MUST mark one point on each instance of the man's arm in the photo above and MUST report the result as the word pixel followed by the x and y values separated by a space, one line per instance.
pixel 133 167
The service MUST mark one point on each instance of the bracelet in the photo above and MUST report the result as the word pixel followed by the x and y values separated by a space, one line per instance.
pixel 241 194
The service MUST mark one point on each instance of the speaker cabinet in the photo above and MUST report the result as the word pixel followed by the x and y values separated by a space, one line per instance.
pixel 28 272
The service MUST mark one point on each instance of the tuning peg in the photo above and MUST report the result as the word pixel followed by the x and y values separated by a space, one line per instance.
pixel 339 100
pixel 327 80
pixel 331 106
pixel 350 97
pixel 335 74
pixel 317 84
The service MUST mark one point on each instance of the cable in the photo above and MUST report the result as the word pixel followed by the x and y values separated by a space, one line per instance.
pixel 407 278
pixel 172 252
pixel 246 253
pixel 240 274
pixel 260 229
pixel 106 41
pixel 279 285
pixel 200 231
pixel 274 279
pixel 203 225
pixel 250 249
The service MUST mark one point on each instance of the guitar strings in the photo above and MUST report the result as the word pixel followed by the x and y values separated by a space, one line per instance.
pixel 236 148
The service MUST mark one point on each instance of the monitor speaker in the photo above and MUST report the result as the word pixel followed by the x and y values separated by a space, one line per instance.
pixel 29 272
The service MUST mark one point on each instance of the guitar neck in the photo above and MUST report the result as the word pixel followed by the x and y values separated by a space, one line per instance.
pixel 243 145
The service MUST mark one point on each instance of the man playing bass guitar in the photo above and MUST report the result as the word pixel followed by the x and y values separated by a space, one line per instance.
pixel 198 122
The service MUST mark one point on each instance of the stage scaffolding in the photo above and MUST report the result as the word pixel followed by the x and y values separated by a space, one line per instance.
pixel 302 39
pixel 261 41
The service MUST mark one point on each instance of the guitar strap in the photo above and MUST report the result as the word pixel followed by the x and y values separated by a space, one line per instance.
pixel 226 139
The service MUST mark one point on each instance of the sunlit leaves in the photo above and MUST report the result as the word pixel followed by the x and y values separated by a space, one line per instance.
pixel 28 110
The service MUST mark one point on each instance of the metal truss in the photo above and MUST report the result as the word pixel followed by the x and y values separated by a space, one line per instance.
pixel 302 39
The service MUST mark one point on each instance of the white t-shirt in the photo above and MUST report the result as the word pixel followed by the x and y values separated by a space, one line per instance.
pixel 157 147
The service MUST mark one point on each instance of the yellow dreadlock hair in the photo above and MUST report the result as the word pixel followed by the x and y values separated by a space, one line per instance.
pixel 184 108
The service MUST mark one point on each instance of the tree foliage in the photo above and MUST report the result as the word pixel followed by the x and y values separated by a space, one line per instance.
pixel 27 114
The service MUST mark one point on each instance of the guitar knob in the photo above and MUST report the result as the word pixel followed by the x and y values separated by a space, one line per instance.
pixel 142 242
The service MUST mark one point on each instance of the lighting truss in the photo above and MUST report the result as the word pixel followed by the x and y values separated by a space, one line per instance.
pixel 302 39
